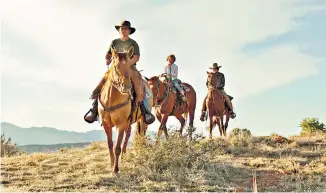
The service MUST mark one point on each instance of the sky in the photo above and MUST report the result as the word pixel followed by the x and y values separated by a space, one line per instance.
pixel 271 52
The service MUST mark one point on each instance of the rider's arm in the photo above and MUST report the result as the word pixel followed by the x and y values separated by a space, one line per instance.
pixel 108 56
pixel 136 53
pixel 222 80
pixel 174 72
pixel 135 59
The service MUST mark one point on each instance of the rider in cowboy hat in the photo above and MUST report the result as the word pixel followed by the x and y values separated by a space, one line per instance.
pixel 122 44
pixel 220 86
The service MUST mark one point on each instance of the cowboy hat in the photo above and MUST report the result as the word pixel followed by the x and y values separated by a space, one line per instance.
pixel 125 23
pixel 214 65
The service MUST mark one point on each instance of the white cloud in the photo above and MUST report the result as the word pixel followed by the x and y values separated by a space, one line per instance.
pixel 77 34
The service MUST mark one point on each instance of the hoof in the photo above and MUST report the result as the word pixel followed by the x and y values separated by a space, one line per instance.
pixel 115 174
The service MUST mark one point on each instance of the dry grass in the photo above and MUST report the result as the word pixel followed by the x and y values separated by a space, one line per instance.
pixel 237 163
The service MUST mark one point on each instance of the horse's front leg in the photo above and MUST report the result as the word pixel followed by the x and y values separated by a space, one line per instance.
pixel 117 149
pixel 220 125
pixel 211 126
pixel 108 131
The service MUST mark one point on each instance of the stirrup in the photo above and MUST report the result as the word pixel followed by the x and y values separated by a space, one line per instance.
pixel 149 118
pixel 232 115
pixel 88 121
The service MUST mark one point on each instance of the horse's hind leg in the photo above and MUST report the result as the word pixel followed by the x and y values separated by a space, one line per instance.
pixel 191 123
pixel 125 143
pixel 163 125
pixel 182 122
pixel 226 124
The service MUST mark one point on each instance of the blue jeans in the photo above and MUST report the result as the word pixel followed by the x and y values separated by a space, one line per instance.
pixel 145 101
pixel 177 85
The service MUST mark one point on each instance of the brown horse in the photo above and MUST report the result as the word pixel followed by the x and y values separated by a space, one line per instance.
pixel 216 108
pixel 116 104
pixel 166 101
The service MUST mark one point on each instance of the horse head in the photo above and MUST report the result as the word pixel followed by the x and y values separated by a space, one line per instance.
pixel 121 72
pixel 211 80
pixel 156 85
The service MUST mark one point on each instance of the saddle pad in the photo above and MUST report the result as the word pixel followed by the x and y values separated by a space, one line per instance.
pixel 184 87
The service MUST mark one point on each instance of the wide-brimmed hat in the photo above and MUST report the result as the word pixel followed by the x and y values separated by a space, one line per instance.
pixel 125 23
pixel 214 66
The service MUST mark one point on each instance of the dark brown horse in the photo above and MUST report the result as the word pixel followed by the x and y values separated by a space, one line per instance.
pixel 167 104
pixel 115 104
pixel 216 108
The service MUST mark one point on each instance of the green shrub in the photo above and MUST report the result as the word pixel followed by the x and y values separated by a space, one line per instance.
pixel 240 137
pixel 312 126
pixel 8 148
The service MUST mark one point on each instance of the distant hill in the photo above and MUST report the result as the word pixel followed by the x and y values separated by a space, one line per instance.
pixel 48 135
pixel 51 148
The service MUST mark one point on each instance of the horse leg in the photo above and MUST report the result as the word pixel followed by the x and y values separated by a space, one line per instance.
pixel 125 143
pixel 117 148
pixel 218 120
pixel 222 125
pixel 191 123
pixel 108 131
pixel 211 126
pixel 226 124
pixel 159 133
pixel 163 119
pixel 182 122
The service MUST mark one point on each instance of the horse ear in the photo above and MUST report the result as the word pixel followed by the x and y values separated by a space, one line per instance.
pixel 130 51
pixel 114 52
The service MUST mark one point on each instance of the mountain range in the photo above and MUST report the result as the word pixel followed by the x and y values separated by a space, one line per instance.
pixel 49 135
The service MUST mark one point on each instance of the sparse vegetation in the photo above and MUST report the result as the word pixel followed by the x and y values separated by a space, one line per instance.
pixel 241 162
pixel 8 147
pixel 312 126
pixel 240 137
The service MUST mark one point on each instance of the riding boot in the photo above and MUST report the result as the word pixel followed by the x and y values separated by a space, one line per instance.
pixel 92 114
pixel 230 107
pixel 141 99
pixel 99 86
pixel 149 118
pixel 203 114
pixel 183 96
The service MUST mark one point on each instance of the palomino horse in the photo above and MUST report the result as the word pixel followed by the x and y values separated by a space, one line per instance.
pixel 216 108
pixel 116 104
pixel 165 104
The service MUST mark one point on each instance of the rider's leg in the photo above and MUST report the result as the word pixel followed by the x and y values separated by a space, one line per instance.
pixel 92 114
pixel 141 99
pixel 182 92
pixel 229 103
